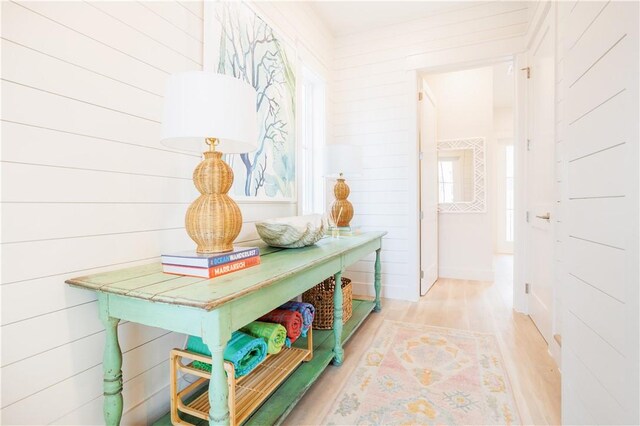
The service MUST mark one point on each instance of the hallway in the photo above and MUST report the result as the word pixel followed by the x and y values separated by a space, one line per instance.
pixel 467 305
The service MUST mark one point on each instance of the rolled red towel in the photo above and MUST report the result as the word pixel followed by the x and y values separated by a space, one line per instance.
pixel 291 320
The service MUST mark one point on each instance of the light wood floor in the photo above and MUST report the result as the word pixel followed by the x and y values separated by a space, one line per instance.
pixel 467 305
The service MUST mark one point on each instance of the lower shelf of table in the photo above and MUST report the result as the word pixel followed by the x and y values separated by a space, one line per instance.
pixel 259 384
pixel 276 407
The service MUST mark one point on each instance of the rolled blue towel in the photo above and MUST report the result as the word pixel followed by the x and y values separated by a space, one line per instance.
pixel 245 352
pixel 307 310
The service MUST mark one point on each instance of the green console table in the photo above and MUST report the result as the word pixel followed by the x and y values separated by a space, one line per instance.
pixel 213 309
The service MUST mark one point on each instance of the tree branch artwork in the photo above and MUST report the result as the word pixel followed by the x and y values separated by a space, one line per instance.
pixel 249 50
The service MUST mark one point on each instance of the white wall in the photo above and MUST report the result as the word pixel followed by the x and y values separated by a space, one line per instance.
pixel 599 143
pixel 503 122
pixel 465 109
pixel 87 187
pixel 374 104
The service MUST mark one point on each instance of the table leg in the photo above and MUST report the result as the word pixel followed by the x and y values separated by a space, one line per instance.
pixel 112 368
pixel 338 352
pixel 377 281
pixel 217 340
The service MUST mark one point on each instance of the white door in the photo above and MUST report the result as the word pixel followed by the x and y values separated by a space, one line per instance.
pixel 540 178
pixel 428 191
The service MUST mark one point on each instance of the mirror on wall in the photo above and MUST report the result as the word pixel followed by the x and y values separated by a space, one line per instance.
pixel 455 175
pixel 461 175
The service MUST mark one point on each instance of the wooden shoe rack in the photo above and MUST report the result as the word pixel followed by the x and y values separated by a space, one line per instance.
pixel 246 393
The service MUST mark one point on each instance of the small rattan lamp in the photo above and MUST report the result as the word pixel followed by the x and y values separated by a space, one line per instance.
pixel 203 107
pixel 342 161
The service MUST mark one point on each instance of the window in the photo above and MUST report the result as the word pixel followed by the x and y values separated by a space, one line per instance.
pixel 445 178
pixel 505 195
pixel 312 132
pixel 509 158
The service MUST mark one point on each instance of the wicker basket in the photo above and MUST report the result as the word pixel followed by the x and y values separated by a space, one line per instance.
pixel 321 297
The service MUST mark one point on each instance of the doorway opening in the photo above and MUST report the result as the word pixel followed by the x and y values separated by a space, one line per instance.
pixel 467 174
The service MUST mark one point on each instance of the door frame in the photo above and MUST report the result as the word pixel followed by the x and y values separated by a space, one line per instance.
pixel 520 243
pixel 421 103
pixel 547 27
pixel 417 68
pixel 521 65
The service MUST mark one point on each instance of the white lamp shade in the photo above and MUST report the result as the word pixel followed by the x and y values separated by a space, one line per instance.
pixel 345 159
pixel 200 105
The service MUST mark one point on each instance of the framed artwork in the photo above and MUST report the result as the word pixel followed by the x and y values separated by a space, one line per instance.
pixel 239 43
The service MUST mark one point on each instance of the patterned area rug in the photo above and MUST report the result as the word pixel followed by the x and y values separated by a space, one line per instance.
pixel 423 375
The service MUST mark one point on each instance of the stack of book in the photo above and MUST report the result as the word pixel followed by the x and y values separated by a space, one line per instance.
pixel 210 265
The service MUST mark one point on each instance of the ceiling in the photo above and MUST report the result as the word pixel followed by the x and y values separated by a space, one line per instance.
pixel 348 17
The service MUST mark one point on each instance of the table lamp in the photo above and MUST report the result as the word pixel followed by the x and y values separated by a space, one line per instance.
pixel 342 161
pixel 203 107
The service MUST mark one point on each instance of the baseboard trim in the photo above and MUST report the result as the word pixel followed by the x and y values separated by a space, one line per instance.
pixel 388 291
pixel 467 274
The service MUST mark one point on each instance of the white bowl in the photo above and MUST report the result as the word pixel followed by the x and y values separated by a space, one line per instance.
pixel 292 232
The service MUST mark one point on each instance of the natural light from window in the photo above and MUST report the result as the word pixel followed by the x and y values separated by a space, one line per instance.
pixel 445 178
pixel 312 132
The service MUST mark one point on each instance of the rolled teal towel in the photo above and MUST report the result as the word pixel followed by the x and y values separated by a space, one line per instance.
pixel 245 352
pixel 307 310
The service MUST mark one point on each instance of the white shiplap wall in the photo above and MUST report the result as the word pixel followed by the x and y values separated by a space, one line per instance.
pixel 562 10
pixel 86 187
pixel 600 324
pixel 374 107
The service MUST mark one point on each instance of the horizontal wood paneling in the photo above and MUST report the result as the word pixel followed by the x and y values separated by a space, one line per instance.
pixel 604 315
pixel 87 187
pixel 173 13
pixel 581 17
pixel 574 413
pixel 599 220
pixel 600 331
pixel 602 35
pixel 42 146
pixel 591 138
pixel 47 221
pixel 430 25
pixel 606 273
pixel 28 299
pixel 142 377
pixel 23 104
pixel 367 81
pixel 53 330
pixel 372 109
pixel 599 175
pixel 602 359
pixel 91 186
pixel 88 355
pixel 150 25
pixel 86 19
pixel 88 252
pixel 603 407
pixel 62 42
pixel 34 69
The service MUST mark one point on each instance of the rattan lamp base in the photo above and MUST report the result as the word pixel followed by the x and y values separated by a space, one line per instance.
pixel 213 220
pixel 341 208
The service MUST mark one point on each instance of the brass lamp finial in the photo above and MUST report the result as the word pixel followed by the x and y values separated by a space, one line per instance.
pixel 212 142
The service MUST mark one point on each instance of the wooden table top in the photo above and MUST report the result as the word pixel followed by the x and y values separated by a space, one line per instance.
pixel 150 283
